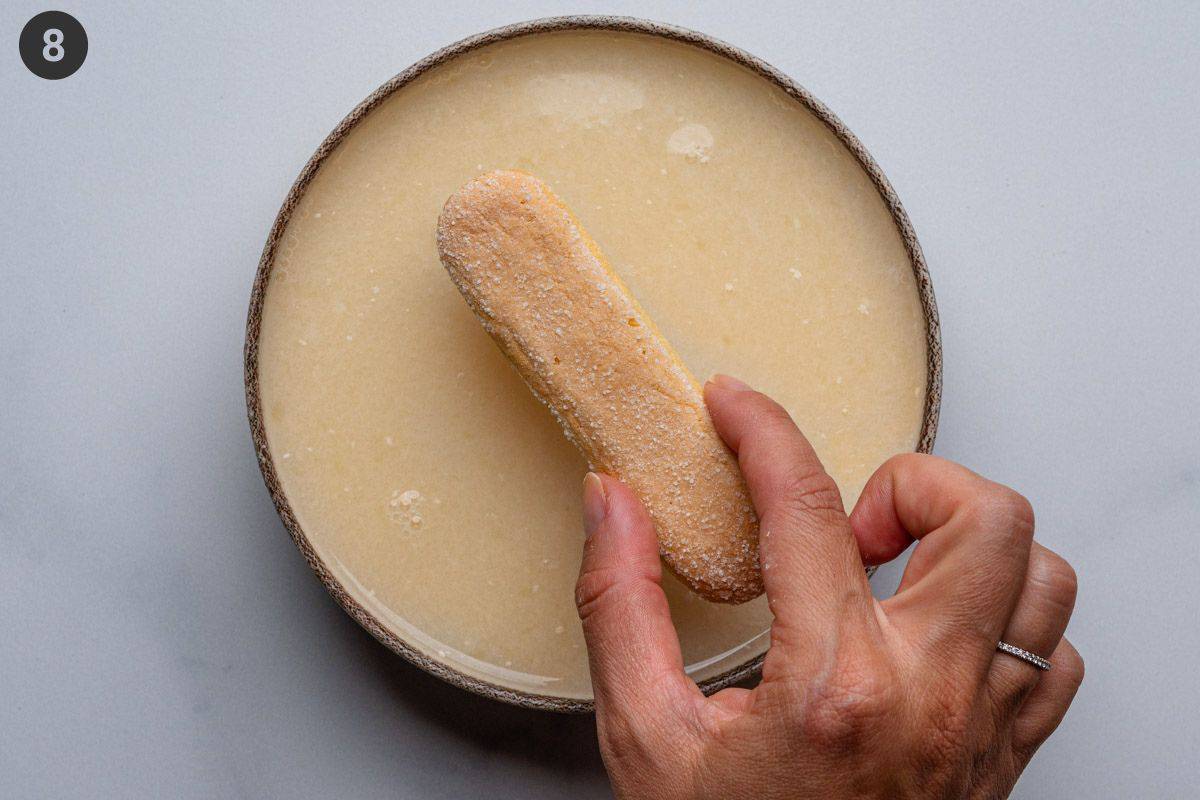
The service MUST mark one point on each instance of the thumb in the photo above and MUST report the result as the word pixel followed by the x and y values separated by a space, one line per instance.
pixel 632 646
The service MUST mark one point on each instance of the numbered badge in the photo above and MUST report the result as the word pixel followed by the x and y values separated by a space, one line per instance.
pixel 53 45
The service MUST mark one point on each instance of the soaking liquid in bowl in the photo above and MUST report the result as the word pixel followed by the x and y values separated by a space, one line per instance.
pixel 428 480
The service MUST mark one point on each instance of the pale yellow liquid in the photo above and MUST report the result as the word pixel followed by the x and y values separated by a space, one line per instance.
pixel 745 228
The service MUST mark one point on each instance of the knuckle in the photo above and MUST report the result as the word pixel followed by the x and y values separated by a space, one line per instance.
pixel 614 589
pixel 632 745
pixel 1005 513
pixel 805 492
pixel 621 741
pixel 1055 580
pixel 593 588
pixel 1073 667
pixel 903 462
pixel 619 736
pixel 1016 509
pixel 840 714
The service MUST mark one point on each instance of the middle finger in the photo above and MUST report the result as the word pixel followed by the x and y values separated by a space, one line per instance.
pixel 962 582
pixel 810 563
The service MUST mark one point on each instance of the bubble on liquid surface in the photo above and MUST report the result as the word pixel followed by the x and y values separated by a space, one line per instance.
pixel 693 141
pixel 403 508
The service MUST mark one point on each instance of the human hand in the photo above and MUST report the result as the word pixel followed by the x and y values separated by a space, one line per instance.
pixel 902 698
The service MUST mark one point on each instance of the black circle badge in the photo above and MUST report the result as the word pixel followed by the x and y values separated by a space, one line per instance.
pixel 53 45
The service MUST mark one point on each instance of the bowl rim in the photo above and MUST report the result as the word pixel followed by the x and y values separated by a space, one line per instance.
pixel 262 277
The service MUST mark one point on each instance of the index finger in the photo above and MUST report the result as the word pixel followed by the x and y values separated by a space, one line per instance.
pixel 810 563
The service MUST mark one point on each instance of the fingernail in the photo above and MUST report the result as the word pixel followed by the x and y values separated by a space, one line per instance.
pixel 595 503
pixel 727 382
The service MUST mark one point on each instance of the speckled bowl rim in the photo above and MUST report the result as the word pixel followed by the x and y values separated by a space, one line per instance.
pixel 254 319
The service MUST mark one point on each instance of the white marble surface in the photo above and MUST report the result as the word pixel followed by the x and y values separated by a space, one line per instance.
pixel 161 637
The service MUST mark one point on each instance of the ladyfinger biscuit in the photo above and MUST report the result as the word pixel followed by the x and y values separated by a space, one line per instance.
pixel 546 294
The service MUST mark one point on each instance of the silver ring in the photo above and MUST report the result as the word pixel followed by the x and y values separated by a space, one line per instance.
pixel 1024 655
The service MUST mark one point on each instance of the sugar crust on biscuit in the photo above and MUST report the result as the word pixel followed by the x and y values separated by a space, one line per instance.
pixel 545 293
